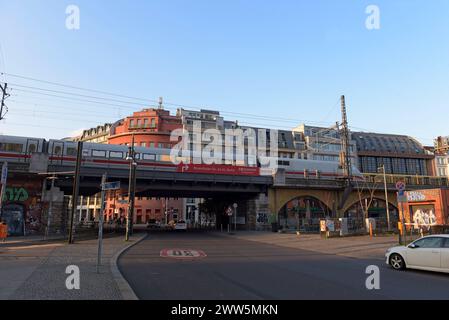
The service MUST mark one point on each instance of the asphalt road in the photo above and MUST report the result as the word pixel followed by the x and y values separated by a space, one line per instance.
pixel 237 269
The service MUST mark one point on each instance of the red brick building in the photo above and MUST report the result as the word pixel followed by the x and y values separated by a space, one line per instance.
pixel 151 128
pixel 430 206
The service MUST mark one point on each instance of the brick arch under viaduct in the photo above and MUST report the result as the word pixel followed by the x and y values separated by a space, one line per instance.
pixel 279 197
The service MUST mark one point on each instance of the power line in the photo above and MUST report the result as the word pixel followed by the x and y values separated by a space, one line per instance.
pixel 102 114
pixel 242 115
pixel 56 118
pixel 77 88
pixel 146 100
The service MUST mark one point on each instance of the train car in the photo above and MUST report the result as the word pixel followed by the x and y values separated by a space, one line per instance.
pixel 316 169
pixel 109 156
pixel 19 149
pixel 313 169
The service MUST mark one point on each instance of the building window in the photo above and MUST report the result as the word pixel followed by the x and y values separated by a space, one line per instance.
pixel 145 122
pixel 131 123
pixel 153 123
pixel 138 122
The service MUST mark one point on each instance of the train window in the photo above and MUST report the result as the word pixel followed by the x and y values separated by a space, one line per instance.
pixel 32 148
pixel 99 153
pixel 116 154
pixel 12 147
pixel 137 156
pixel 147 156
pixel 57 150
pixel 71 152
pixel 283 163
pixel 86 153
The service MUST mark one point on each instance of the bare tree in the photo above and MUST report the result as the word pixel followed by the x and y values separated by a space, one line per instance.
pixel 365 191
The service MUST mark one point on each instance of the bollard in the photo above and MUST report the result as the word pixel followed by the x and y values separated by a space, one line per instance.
pixel 3 231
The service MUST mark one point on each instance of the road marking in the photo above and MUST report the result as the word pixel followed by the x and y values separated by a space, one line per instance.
pixel 177 253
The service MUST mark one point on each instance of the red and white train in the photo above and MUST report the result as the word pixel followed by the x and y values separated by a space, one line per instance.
pixel 19 150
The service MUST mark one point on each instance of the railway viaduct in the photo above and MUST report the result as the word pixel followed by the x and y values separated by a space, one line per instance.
pixel 257 196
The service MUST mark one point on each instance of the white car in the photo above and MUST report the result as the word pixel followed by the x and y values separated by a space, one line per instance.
pixel 428 253
pixel 181 225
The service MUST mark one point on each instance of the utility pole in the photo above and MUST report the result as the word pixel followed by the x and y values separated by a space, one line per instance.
pixel 345 155
pixel 2 103
pixel 75 191
pixel 131 190
pixel 346 148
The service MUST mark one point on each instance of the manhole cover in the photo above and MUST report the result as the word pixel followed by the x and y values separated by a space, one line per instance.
pixel 182 253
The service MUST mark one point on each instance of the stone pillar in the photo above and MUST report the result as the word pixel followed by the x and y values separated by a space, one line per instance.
pixel 257 213
pixel 58 213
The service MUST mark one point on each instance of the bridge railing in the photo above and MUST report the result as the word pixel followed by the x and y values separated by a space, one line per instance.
pixel 414 180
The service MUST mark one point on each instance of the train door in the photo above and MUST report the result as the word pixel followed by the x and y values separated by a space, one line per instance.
pixel 32 146
pixel 56 152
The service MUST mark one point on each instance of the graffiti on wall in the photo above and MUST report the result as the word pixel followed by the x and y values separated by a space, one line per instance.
pixel 15 194
pixel 13 216
pixel 423 216
pixel 262 218
pixel 22 210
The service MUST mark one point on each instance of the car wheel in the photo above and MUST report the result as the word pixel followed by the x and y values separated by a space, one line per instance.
pixel 397 262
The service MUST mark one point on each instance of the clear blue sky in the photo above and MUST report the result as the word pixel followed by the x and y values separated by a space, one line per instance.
pixel 289 59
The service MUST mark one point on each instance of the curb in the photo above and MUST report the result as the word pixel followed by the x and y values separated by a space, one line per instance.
pixel 125 289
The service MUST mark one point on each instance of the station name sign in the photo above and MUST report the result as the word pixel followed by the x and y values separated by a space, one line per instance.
pixel 218 169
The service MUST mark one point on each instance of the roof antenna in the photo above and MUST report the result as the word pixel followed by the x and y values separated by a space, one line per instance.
pixel 161 103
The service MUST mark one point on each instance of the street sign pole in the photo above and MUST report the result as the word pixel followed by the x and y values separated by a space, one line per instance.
pixel 100 222
pixel 400 187
pixel 404 228
pixel 3 182
pixel 235 217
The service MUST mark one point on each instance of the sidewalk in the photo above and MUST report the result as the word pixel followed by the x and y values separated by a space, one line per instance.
pixel 37 271
pixel 355 247
pixel 32 239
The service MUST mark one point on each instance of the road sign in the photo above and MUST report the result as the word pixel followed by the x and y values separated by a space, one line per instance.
pixel 229 211
pixel 400 185
pixel 111 185
pixel 235 205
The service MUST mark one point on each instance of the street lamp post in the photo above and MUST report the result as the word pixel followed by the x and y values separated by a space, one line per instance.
pixel 131 189
pixel 386 197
